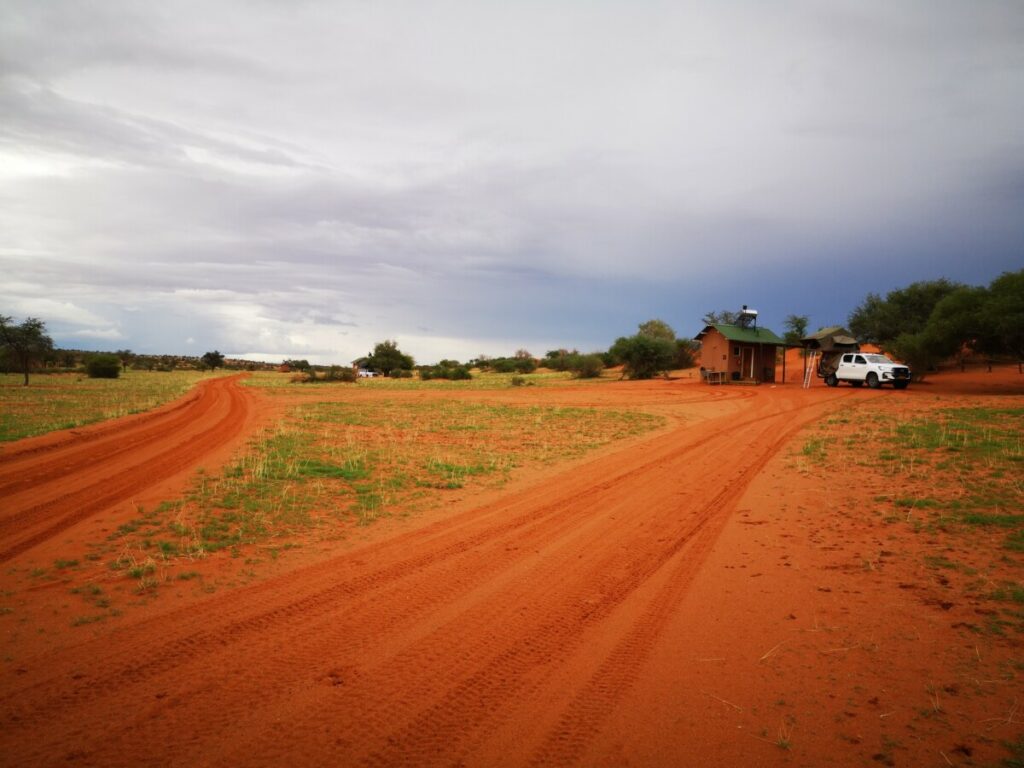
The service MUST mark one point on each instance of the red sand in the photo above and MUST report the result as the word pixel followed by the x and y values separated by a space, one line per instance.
pixel 686 598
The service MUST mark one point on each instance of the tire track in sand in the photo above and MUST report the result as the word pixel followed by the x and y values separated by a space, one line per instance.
pixel 422 679
pixel 71 482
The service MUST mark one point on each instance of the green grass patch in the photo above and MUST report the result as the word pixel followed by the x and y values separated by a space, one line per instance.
pixel 814 449
pixel 66 400
pixel 331 463
pixel 277 383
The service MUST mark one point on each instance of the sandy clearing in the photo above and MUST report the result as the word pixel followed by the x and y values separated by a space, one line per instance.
pixel 599 614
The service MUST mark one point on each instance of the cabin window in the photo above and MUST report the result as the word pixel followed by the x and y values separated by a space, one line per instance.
pixel 736 351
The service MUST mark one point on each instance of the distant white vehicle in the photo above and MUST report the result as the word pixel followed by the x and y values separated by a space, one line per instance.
pixel 365 374
pixel 859 367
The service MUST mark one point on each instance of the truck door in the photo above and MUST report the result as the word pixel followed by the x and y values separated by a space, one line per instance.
pixel 860 367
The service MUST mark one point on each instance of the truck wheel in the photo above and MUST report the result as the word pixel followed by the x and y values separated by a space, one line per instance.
pixel 900 384
pixel 873 381
pixel 856 383
pixel 831 380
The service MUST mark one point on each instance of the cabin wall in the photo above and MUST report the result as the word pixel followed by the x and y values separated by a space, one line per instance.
pixel 715 354
pixel 720 354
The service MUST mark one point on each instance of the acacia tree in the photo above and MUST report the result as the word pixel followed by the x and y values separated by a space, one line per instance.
pixel 796 328
pixel 903 311
pixel 657 329
pixel 25 343
pixel 213 360
pixel 1004 313
pixel 931 321
pixel 723 317
pixel 387 359
pixel 126 356
pixel 644 356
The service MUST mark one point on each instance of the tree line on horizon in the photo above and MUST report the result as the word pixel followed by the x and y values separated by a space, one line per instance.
pixel 923 324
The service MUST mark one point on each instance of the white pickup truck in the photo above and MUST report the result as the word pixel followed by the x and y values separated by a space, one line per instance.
pixel 876 370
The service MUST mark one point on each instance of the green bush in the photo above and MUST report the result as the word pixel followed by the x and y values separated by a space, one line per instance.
pixel 340 373
pixel 644 356
pixel 586 366
pixel 103 366
pixel 446 369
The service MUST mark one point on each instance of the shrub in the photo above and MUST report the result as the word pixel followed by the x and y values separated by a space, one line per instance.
pixel 685 349
pixel 644 356
pixel 518 381
pixel 586 366
pixel 340 373
pixel 103 366
pixel 446 369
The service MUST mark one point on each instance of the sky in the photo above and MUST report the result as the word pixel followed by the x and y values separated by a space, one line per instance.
pixel 305 179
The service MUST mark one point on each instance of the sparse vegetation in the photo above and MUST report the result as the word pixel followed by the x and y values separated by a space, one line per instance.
pixel 24 344
pixel 69 400
pixel 103 365
pixel 330 464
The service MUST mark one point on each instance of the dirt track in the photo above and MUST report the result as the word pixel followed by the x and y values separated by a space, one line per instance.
pixel 49 484
pixel 506 634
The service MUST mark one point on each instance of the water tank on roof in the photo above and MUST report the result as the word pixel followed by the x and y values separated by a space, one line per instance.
pixel 748 317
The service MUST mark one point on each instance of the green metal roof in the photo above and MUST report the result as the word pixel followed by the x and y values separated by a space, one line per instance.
pixel 746 335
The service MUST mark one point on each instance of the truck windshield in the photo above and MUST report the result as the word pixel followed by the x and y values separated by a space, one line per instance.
pixel 878 359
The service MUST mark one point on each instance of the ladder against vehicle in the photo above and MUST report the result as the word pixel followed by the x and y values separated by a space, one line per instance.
pixel 810 364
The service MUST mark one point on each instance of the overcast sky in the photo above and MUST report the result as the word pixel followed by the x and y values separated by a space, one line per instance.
pixel 304 179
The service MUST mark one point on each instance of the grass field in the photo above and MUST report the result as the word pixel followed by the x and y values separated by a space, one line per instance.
pixel 62 401
pixel 333 464
pixel 956 477
pixel 276 383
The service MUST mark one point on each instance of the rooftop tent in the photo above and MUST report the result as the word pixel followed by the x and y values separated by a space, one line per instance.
pixel 830 344
pixel 834 339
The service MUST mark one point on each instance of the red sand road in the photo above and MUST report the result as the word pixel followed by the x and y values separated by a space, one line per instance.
pixel 596 615
pixel 50 483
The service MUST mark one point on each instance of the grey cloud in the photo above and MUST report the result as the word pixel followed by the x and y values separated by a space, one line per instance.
pixel 287 174
pixel 39 118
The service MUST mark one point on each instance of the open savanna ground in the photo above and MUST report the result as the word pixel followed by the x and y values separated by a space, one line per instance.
pixel 67 400
pixel 602 573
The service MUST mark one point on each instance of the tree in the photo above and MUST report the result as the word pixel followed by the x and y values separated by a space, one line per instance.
pixel 103 365
pixel 558 359
pixel 213 360
pixel 388 359
pixel 903 311
pixel 25 343
pixel 796 328
pixel 644 357
pixel 585 366
pixel 657 329
pixel 724 317
pixel 957 324
pixel 126 356
pixel 1004 313
pixel 685 351
pixel 928 322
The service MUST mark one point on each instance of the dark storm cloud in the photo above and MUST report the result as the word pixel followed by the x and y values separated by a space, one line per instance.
pixel 308 178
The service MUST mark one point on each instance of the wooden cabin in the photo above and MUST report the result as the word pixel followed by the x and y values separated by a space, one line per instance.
pixel 743 353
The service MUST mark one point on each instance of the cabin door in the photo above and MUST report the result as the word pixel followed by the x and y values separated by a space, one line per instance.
pixel 747 364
